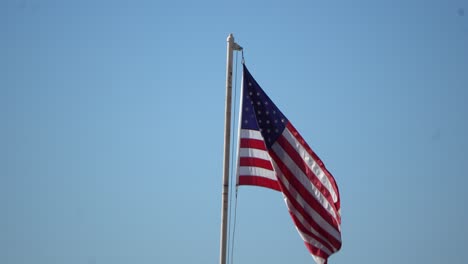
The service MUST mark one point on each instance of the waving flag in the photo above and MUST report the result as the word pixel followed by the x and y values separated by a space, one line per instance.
pixel 274 155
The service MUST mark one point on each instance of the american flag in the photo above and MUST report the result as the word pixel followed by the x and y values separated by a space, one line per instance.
pixel 274 155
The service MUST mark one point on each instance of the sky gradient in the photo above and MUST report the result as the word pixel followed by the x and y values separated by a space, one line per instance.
pixel 112 115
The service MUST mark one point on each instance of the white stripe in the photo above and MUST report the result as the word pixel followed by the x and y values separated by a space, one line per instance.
pixel 256 171
pixel 311 163
pixel 304 222
pixel 253 134
pixel 313 242
pixel 254 153
pixel 310 211
pixel 303 179
pixel 306 238
pixel 318 259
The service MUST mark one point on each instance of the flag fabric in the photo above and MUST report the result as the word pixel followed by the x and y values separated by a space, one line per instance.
pixel 272 154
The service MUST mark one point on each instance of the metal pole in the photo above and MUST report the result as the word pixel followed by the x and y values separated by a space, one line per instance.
pixel 231 46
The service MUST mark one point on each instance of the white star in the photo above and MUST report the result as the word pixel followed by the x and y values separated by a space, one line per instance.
pixel 250 84
pixel 258 93
pixel 282 120
pixel 268 121
pixel 258 103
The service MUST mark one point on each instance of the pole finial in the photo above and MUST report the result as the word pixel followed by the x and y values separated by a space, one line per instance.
pixel 235 46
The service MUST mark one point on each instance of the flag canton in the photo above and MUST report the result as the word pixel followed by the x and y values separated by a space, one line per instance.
pixel 259 112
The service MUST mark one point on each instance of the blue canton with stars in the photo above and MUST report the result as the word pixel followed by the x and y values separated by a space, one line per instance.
pixel 259 112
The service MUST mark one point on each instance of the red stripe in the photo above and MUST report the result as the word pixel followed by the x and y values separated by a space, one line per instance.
pixel 304 192
pixel 304 230
pixel 252 143
pixel 330 239
pixel 309 199
pixel 255 162
pixel 316 251
pixel 330 177
pixel 302 165
pixel 259 181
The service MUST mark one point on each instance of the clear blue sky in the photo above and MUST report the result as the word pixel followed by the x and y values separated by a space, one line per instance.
pixel 112 115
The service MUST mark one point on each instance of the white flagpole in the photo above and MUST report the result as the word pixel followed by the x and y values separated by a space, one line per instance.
pixel 231 46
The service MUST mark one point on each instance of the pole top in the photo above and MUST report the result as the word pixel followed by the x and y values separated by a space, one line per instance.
pixel 235 46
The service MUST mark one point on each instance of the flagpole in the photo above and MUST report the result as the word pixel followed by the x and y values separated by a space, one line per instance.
pixel 231 46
